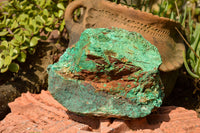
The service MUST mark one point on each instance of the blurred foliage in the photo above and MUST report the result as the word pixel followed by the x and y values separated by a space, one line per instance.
pixel 163 8
pixel 21 25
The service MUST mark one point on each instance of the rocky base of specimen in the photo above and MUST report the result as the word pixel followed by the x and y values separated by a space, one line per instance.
pixel 42 113
pixel 109 73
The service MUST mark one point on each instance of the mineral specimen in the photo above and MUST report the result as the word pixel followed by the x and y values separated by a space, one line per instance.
pixel 110 73
pixel 159 31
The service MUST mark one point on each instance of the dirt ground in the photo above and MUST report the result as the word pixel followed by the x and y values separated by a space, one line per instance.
pixel 32 75
pixel 183 93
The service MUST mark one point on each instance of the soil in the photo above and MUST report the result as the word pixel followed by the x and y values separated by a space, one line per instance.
pixel 184 94
pixel 32 75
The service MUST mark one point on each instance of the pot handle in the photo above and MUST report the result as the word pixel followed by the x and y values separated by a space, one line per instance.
pixel 72 25
pixel 69 13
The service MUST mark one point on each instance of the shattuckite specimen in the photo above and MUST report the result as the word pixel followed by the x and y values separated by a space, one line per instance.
pixel 159 31
pixel 110 73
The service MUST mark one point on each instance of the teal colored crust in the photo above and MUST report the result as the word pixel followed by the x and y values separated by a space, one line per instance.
pixel 111 53
pixel 130 45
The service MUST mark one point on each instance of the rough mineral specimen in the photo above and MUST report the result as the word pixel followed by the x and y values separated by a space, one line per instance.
pixel 109 72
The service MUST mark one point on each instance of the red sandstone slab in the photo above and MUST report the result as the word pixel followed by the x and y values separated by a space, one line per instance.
pixel 41 113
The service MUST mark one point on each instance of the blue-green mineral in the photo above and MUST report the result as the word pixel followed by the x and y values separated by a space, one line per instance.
pixel 109 73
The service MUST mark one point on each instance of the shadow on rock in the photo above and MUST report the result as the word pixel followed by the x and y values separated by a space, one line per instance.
pixel 152 121
pixel 93 122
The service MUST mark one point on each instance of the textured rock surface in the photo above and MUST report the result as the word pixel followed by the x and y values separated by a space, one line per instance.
pixel 41 113
pixel 109 72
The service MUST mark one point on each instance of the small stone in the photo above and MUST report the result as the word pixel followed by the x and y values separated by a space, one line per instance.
pixel 110 73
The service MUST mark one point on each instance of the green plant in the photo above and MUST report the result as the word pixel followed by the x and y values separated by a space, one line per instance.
pixel 192 55
pixel 21 25
pixel 186 18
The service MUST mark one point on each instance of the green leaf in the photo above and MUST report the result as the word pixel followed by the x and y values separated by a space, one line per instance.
pixel 8 22
pixel 2 25
pixel 10 50
pixel 23 2
pixel 21 57
pixel 13 67
pixel 45 12
pixel 4 19
pixel 33 25
pixel 23 47
pixel 18 38
pixel 60 6
pixel 36 31
pixel 14 25
pixel 23 38
pixel 16 52
pixel 1 62
pixel 39 19
pixel 31 50
pixel 34 41
pixel 42 2
pixel 184 17
pixel 62 26
pixel 27 33
pixel 17 31
pixel 3 33
pixel 2 47
pixel 50 20
pixel 60 13
pixel 196 68
pixel 4 43
pixel 172 15
pixel 4 69
pixel 14 42
pixel 23 18
pixel 187 67
pixel 29 28
pixel 7 60
pixel 48 3
pixel 48 29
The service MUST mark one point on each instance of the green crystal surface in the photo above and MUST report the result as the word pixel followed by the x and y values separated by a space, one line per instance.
pixel 108 72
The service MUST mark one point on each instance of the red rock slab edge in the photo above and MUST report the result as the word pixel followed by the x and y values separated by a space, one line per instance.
pixel 42 114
